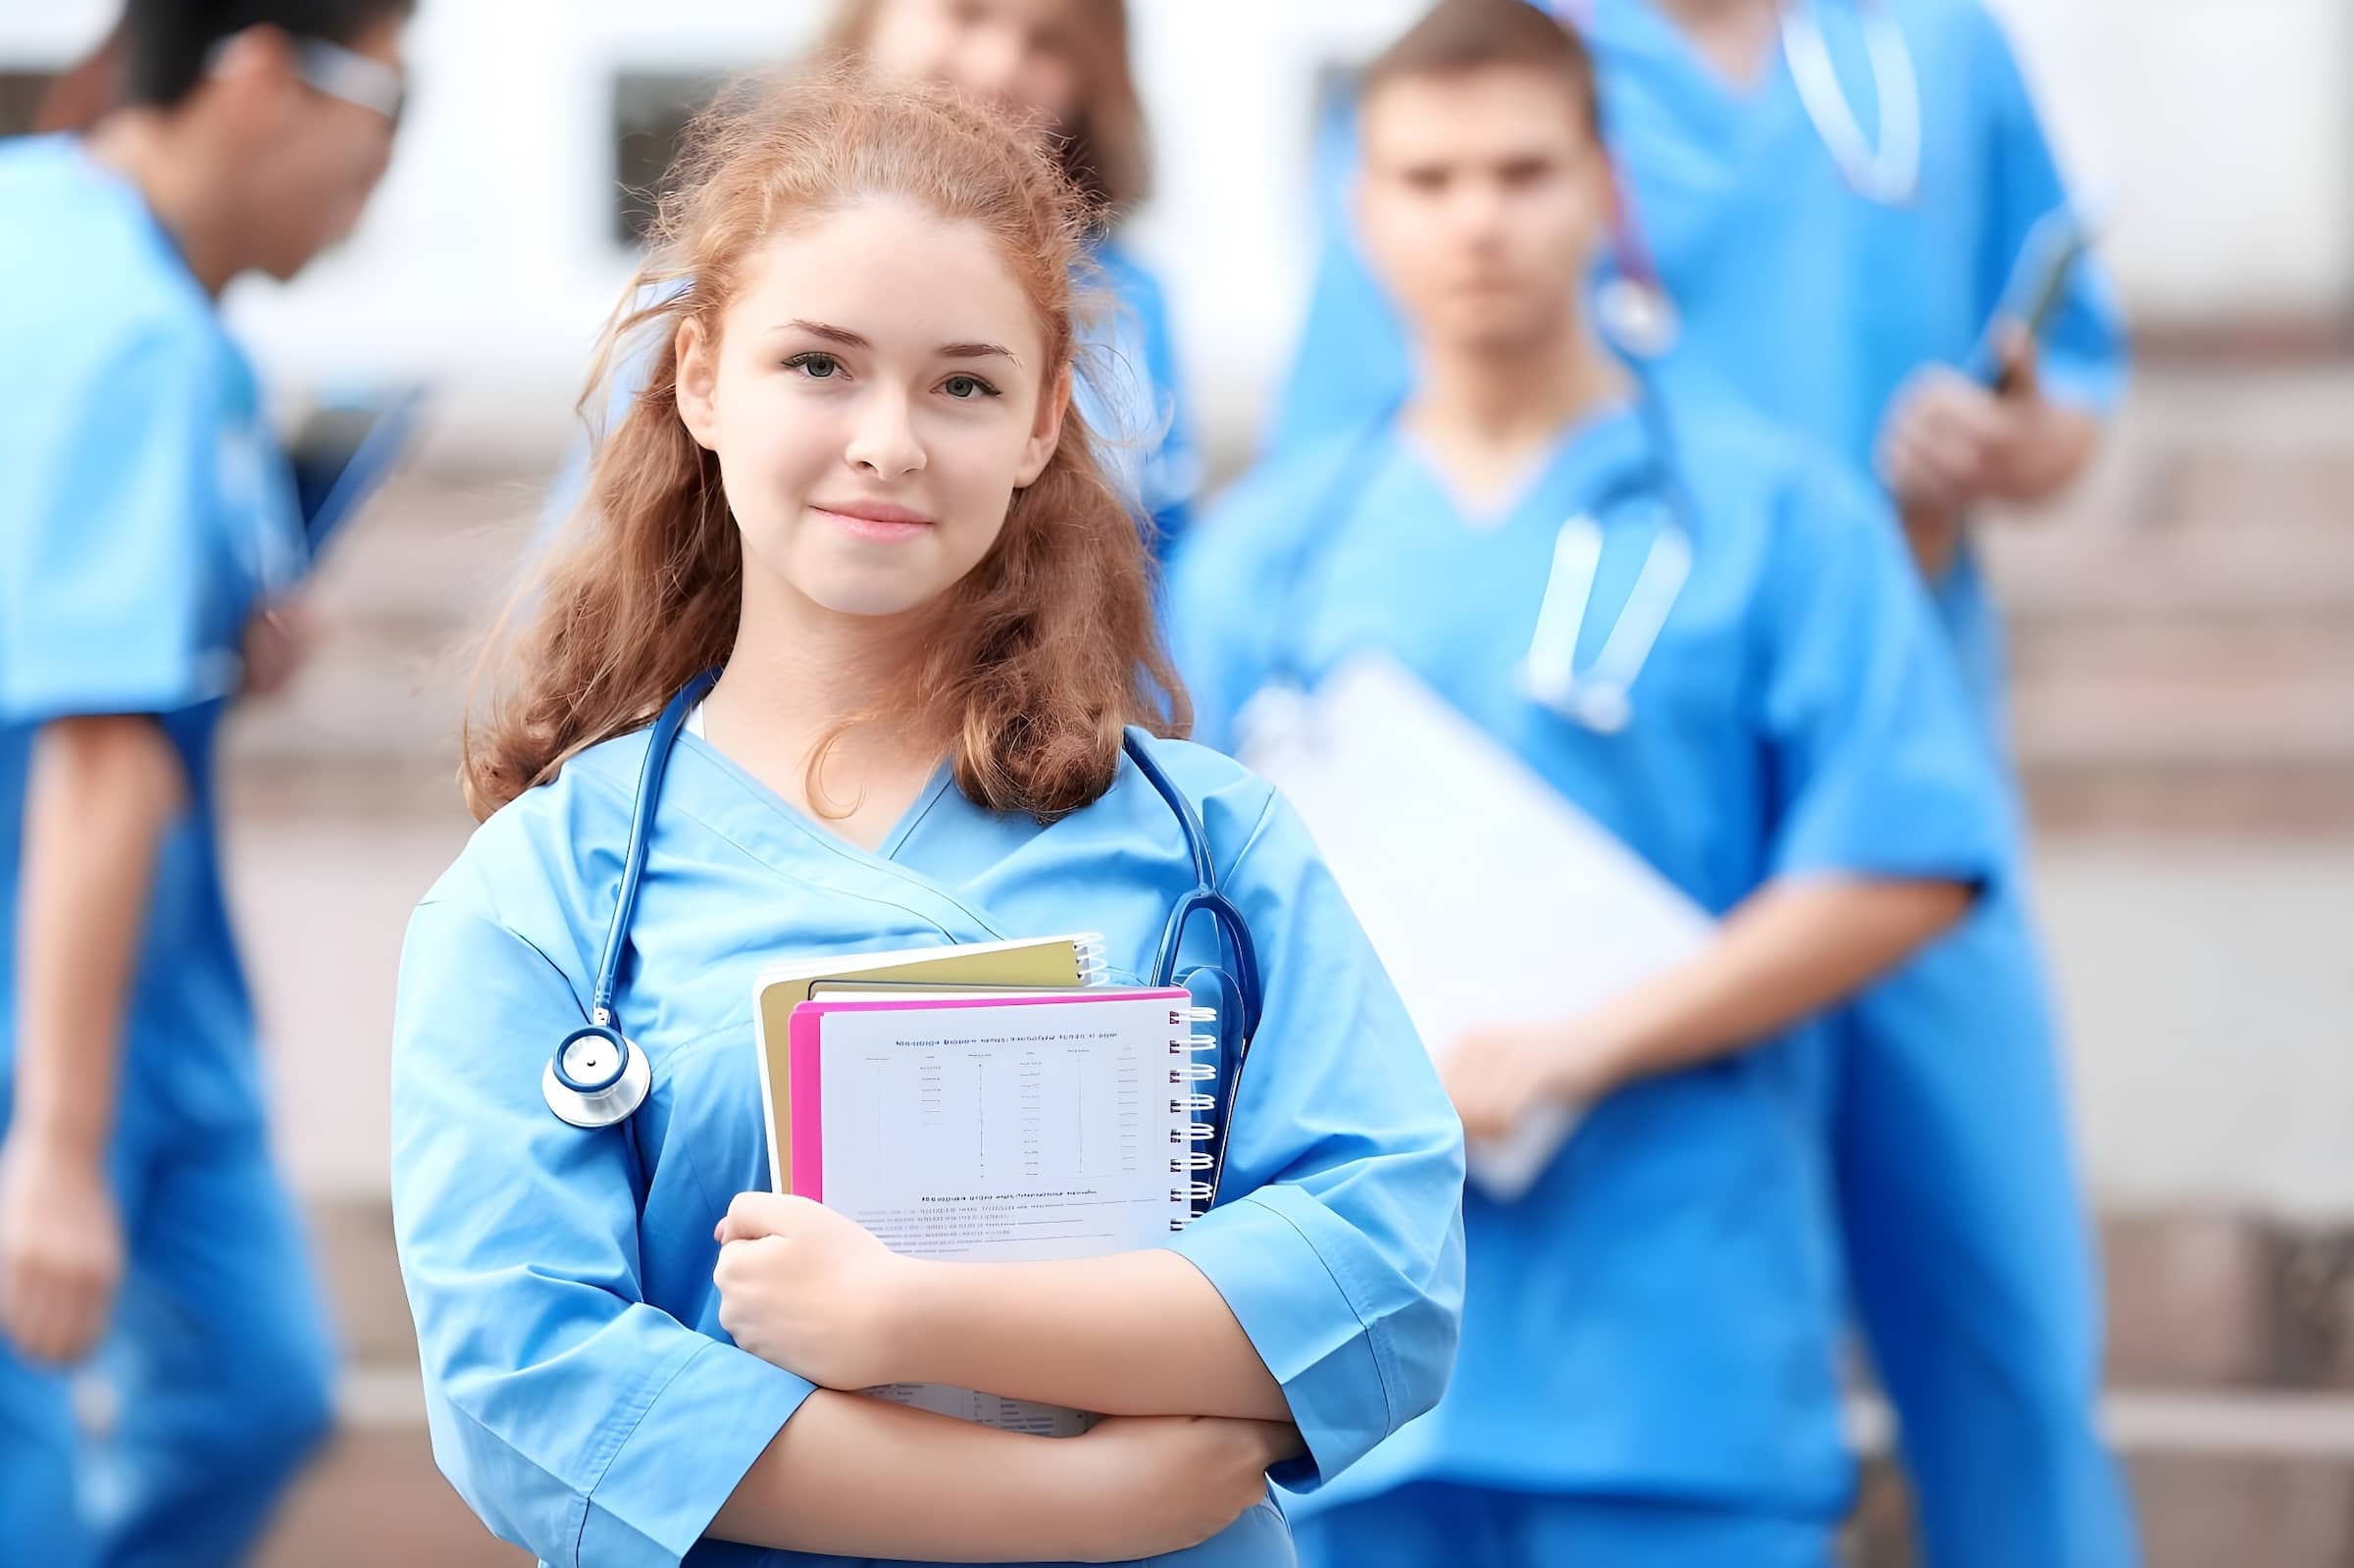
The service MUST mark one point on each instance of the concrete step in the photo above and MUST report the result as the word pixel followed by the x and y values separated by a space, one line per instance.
pixel 2196 1508
pixel 2211 1300
pixel 2182 626
pixel 2214 750
pixel 2078 568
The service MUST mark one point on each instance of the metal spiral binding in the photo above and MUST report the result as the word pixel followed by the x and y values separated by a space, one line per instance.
pixel 1196 1195
pixel 1095 963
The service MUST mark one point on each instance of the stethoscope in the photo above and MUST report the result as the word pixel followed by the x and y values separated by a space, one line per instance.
pixel 1600 696
pixel 598 1077
pixel 1889 174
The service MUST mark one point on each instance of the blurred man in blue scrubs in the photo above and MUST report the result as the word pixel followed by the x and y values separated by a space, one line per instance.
pixel 1854 294
pixel 148 539
pixel 1846 203
pixel 1708 639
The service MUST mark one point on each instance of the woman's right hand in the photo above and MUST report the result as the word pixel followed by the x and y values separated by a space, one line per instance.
pixel 1161 1484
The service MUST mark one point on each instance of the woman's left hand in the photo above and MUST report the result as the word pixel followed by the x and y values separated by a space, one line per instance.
pixel 810 1290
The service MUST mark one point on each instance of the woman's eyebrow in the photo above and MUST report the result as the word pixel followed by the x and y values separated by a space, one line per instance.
pixel 850 339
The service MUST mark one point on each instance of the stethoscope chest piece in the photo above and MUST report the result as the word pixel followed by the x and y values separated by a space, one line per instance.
pixel 1637 317
pixel 598 1078
pixel 1605 710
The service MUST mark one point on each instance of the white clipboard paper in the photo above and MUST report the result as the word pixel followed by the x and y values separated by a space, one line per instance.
pixel 1489 896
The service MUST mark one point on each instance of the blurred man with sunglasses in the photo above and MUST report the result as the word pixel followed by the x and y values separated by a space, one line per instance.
pixel 148 531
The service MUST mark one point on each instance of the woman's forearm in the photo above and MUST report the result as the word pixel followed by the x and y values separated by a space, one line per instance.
pixel 1792 948
pixel 101 794
pixel 854 1477
pixel 1128 1333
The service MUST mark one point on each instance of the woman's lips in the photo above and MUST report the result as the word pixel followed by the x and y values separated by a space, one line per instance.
pixel 874 520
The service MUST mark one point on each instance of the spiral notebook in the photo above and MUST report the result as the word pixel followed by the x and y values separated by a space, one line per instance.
pixel 1007 1128
pixel 1057 963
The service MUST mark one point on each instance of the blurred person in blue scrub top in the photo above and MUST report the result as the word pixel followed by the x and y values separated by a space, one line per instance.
pixel 1854 294
pixel 148 539
pixel 1648 1372
pixel 1864 298
pixel 854 577
pixel 1064 66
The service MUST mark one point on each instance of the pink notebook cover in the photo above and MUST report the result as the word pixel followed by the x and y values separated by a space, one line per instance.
pixel 803 1048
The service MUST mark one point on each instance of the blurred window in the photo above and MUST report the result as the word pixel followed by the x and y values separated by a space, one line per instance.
pixel 650 110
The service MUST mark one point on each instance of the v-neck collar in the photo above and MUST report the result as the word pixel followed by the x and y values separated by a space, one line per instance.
pixel 1593 444
pixel 1724 123
pixel 727 802
pixel 1697 63
pixel 883 853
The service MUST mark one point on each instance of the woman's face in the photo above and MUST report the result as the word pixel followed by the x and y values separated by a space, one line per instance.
pixel 876 393
pixel 1017 52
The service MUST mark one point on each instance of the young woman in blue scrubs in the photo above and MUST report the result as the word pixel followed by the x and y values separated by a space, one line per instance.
pixel 1649 1367
pixel 148 541
pixel 1871 327
pixel 853 487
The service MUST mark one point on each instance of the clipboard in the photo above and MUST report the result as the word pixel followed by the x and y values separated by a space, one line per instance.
pixel 1489 896
pixel 342 453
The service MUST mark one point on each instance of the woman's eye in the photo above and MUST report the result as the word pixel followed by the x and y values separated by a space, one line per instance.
pixel 817 367
pixel 967 387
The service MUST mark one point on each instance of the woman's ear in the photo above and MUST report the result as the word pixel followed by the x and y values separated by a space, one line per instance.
pixel 1045 430
pixel 697 392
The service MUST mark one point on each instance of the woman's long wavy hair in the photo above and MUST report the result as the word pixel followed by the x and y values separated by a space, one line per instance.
pixel 1043 653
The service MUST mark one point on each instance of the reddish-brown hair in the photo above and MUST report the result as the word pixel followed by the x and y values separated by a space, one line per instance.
pixel 1045 651
pixel 1106 149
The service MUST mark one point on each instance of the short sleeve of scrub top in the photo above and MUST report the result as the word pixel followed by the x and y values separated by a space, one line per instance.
pixel 117 592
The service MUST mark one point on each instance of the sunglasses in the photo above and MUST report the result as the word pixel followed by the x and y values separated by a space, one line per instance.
pixel 344 75
pixel 352 77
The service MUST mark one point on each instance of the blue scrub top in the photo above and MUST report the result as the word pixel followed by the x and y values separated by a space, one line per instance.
pixel 147 511
pixel 1658 1316
pixel 1797 295
pixel 581 1394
